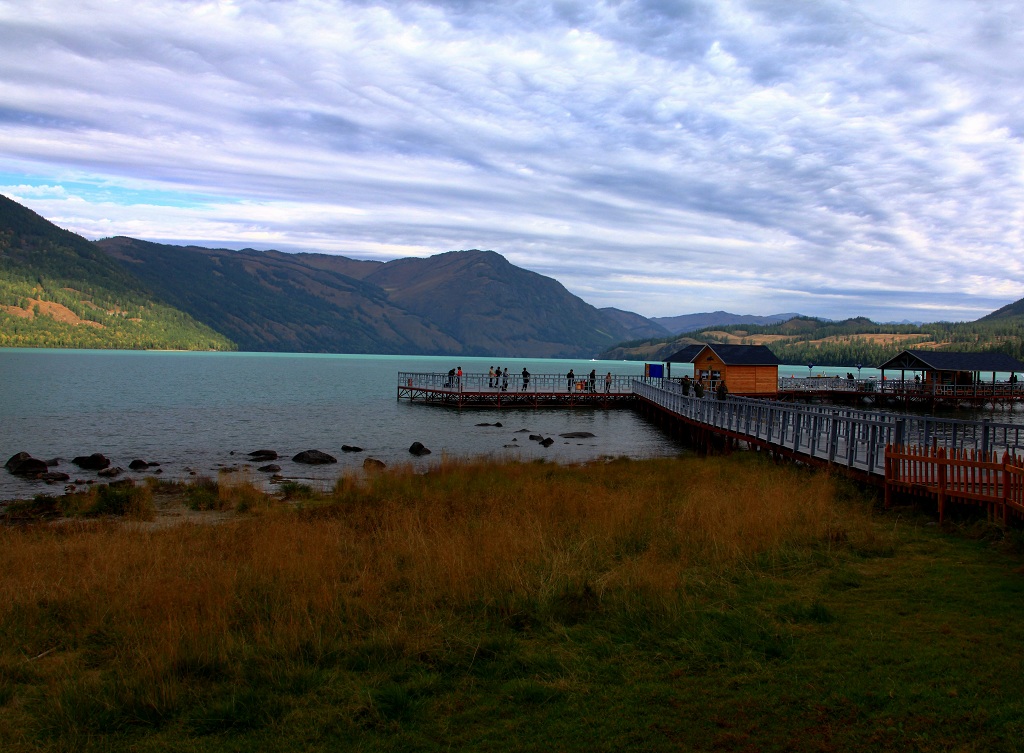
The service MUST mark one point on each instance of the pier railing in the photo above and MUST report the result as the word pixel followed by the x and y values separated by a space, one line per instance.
pixel 907 387
pixel 853 438
pixel 537 383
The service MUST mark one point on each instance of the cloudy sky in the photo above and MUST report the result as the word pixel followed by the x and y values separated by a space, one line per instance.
pixel 834 158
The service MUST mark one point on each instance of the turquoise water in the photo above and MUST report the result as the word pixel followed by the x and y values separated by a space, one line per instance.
pixel 191 411
pixel 199 412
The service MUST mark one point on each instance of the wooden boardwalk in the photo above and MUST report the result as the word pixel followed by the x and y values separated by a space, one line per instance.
pixel 951 460
pixel 969 462
pixel 898 392
pixel 540 390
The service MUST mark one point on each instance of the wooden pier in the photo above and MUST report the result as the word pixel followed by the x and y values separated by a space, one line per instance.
pixel 899 392
pixel 950 460
pixel 539 390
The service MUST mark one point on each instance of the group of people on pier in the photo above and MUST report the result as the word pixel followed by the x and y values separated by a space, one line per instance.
pixel 498 379
pixel 697 385
pixel 588 383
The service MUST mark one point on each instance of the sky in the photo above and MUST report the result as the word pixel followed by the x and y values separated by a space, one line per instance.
pixel 832 158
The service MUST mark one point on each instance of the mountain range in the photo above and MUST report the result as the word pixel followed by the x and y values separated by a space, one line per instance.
pixel 58 289
pixel 677 325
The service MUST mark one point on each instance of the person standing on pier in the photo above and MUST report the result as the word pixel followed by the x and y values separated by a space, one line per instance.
pixel 593 380
pixel 458 379
pixel 504 380
pixel 490 377
pixel 608 383
pixel 526 379
pixel 569 379
pixel 722 392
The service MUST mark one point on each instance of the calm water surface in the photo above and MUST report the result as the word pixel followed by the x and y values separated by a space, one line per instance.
pixel 204 411
pixel 191 411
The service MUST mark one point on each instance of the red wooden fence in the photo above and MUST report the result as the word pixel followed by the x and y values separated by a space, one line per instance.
pixel 967 476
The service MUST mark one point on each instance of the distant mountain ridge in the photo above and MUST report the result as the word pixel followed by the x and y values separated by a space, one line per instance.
pixel 677 325
pixel 1009 311
pixel 59 290
pixel 472 303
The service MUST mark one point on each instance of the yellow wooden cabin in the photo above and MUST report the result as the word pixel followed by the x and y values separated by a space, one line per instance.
pixel 749 370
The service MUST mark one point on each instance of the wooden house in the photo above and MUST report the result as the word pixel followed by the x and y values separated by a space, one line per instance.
pixel 745 369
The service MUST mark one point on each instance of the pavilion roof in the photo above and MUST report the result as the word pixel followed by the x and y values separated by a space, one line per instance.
pixel 941 360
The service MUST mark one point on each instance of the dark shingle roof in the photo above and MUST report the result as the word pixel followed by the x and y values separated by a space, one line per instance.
pixel 934 360
pixel 686 355
pixel 731 355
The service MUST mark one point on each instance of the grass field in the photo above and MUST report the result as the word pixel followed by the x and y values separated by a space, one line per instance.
pixel 663 605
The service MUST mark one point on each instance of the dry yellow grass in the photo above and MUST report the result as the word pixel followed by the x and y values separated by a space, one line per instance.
pixel 53 310
pixel 876 338
pixel 398 556
pixel 742 338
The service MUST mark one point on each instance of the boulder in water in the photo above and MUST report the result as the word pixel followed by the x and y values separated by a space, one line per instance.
pixel 417 448
pixel 372 464
pixel 94 462
pixel 23 464
pixel 314 457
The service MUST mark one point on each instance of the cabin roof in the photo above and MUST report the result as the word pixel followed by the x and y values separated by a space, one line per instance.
pixel 730 355
pixel 686 355
pixel 934 360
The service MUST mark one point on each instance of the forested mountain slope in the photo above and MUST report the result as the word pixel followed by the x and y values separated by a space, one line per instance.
pixel 269 301
pixel 58 290
pixel 457 303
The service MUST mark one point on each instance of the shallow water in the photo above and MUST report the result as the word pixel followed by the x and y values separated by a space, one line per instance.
pixel 191 411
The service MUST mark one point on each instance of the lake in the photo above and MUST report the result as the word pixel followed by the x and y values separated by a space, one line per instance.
pixel 191 411
pixel 200 412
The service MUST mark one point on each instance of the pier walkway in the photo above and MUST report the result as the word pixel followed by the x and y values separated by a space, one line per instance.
pixel 951 460
pixel 971 462
pixel 539 390
pixel 899 391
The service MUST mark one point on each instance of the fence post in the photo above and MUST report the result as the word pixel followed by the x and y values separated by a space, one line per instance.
pixel 985 435
pixel 851 441
pixel 1005 473
pixel 940 456
pixel 889 478
pixel 833 442
pixel 872 447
